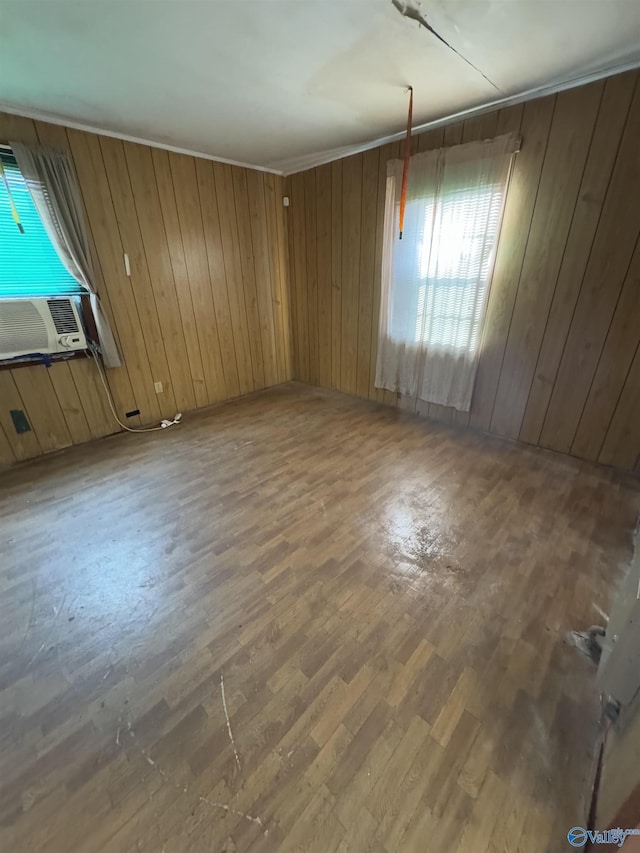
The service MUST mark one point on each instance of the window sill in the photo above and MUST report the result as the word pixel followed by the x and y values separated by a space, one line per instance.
pixel 28 361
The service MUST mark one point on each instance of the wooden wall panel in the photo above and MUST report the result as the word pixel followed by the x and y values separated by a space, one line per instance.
pixel 223 176
pixel 117 172
pixel 70 402
pixel 336 273
pixel 559 362
pixel 7 456
pixel 205 310
pixel 185 188
pixel 92 397
pixel 351 232
pixel 146 199
pixel 217 278
pixel 259 240
pixel 87 155
pixel 534 127
pixel 609 260
pixel 25 444
pixel 370 172
pixel 298 269
pixel 277 242
pixel 605 142
pixel 86 381
pixel 620 446
pixel 169 210
pixel 565 156
pixel 311 280
pixel 323 241
pixel 231 292
pixel 46 415
pixel 246 251
pixel 613 367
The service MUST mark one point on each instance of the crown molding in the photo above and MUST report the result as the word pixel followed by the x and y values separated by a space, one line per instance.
pixel 53 118
pixel 321 158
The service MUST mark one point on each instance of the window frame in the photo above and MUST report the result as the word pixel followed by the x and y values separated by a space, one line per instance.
pixel 6 154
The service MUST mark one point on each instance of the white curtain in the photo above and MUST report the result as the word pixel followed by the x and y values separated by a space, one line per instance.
pixel 435 281
pixel 54 189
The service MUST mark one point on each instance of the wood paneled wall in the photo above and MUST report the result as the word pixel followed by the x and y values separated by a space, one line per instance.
pixel 205 310
pixel 560 363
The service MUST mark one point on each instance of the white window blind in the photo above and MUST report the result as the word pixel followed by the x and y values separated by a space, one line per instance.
pixel 29 264
pixel 452 284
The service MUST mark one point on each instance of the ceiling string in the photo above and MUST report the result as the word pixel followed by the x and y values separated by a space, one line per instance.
pixel 14 211
pixel 405 168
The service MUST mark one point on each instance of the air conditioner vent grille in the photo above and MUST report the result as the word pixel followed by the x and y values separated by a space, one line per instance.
pixel 62 315
pixel 20 321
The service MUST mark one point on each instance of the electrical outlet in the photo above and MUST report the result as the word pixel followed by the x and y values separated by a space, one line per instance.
pixel 158 387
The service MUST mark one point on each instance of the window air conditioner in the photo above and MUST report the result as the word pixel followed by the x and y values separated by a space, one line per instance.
pixel 31 326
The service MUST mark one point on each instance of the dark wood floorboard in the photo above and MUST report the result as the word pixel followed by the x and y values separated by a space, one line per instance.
pixel 385 598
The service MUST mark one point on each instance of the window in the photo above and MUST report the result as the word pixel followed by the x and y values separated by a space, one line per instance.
pixel 442 267
pixel 29 264
pixel 435 280
pixel 453 279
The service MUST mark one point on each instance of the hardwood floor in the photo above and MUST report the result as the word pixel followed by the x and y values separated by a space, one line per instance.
pixel 385 598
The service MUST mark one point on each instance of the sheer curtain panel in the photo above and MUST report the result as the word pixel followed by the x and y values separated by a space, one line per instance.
pixel 54 189
pixel 435 281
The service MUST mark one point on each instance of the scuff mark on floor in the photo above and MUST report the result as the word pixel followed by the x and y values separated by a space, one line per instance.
pixel 227 808
pixel 166 778
pixel 56 614
pixel 600 612
pixel 226 713
pixel 33 610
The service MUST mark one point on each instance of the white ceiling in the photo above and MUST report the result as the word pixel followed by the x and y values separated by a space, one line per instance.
pixel 282 84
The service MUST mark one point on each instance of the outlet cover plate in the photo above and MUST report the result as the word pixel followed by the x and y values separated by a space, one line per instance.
pixel 20 421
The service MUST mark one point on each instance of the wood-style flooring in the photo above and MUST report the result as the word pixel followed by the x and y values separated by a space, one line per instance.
pixel 384 599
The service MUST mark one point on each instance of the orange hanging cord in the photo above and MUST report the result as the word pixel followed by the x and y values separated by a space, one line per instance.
pixel 12 207
pixel 405 168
